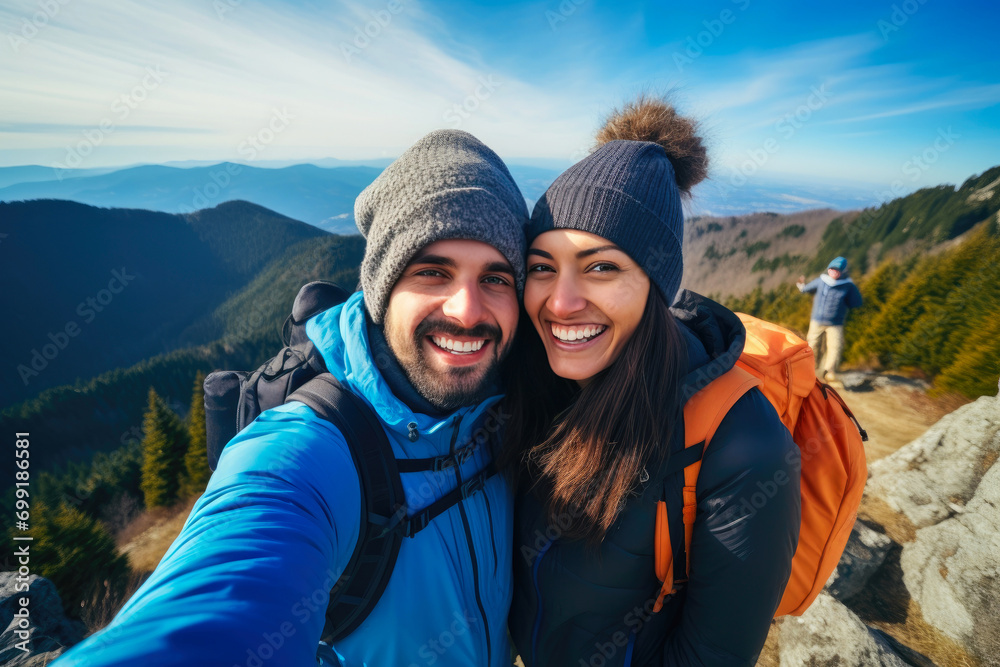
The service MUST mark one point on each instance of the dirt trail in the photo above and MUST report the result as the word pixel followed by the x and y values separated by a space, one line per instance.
pixel 893 410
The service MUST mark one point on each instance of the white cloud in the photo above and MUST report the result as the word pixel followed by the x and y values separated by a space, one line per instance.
pixel 225 76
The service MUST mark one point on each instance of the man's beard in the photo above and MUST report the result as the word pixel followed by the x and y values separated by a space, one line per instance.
pixel 453 387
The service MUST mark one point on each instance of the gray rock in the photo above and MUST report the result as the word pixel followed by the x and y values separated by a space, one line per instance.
pixel 862 381
pixel 934 476
pixel 884 381
pixel 863 556
pixel 952 570
pixel 831 634
pixel 856 380
pixel 51 631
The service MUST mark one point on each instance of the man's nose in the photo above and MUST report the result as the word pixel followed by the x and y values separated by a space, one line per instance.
pixel 465 306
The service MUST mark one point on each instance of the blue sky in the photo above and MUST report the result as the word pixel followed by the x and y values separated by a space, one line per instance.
pixel 861 93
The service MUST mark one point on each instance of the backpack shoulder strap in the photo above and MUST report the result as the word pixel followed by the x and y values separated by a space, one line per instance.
pixel 702 415
pixel 384 513
pixel 383 503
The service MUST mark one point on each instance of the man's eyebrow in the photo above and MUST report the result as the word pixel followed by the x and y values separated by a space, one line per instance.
pixel 498 267
pixel 438 260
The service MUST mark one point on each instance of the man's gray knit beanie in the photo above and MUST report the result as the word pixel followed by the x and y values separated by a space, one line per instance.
pixel 626 192
pixel 448 185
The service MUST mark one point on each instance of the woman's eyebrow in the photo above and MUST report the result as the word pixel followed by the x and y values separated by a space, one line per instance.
pixel 541 253
pixel 594 251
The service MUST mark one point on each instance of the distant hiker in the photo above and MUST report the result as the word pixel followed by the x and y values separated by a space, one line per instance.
pixel 249 578
pixel 835 294
pixel 599 415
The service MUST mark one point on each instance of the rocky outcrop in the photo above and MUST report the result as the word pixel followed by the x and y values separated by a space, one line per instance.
pixel 51 632
pixel 865 552
pixel 947 483
pixel 952 570
pixel 831 634
pixel 934 476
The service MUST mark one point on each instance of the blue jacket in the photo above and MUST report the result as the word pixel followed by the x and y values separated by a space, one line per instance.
pixel 247 581
pixel 833 298
pixel 577 604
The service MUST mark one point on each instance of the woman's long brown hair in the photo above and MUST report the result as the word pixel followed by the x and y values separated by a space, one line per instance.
pixel 585 449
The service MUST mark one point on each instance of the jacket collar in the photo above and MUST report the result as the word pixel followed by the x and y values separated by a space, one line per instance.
pixel 843 280
pixel 714 337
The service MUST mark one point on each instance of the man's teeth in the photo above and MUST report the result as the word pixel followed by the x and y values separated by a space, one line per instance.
pixel 571 334
pixel 458 346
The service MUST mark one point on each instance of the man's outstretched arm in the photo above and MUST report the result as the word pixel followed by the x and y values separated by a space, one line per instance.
pixel 247 581
pixel 808 288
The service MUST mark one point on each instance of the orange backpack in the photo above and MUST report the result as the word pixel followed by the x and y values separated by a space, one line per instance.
pixel 833 469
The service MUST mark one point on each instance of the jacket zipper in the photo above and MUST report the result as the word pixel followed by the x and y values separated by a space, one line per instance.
pixel 538 600
pixel 489 513
pixel 628 650
pixel 472 549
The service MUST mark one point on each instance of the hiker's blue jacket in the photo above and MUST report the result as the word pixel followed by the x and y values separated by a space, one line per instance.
pixel 578 604
pixel 247 581
pixel 833 298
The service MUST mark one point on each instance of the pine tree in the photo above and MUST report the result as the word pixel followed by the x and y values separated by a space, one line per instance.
pixel 75 552
pixel 196 470
pixel 164 445
pixel 976 370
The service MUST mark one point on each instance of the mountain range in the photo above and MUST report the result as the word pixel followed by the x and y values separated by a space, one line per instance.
pixel 323 193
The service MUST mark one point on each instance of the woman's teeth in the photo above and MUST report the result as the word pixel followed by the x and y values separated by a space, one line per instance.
pixel 577 334
pixel 457 346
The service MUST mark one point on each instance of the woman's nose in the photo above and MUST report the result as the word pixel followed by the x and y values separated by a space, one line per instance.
pixel 566 298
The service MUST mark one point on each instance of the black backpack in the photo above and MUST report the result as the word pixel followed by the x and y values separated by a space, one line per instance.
pixel 233 399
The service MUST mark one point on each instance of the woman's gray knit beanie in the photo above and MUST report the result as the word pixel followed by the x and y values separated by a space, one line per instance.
pixel 448 185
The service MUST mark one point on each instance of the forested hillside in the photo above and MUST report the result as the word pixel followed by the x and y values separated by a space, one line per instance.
pixel 918 221
pixel 732 255
pixel 89 289
pixel 72 422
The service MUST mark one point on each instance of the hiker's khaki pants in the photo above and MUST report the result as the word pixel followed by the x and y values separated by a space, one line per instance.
pixel 832 338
